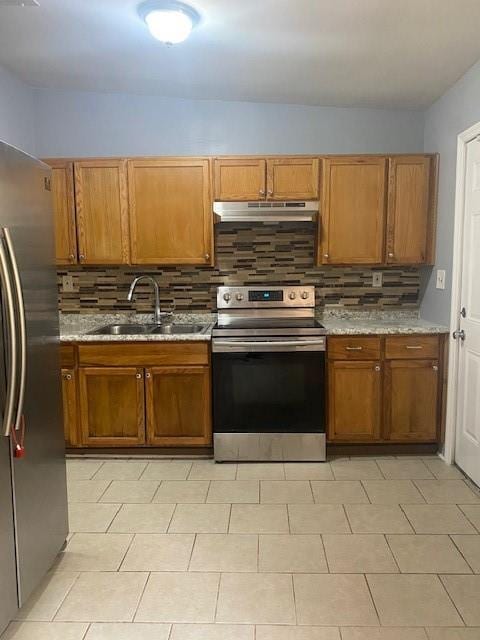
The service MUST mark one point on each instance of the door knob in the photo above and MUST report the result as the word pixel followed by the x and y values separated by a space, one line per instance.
pixel 459 334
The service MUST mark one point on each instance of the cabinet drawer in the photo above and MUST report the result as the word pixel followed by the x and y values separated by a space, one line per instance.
pixel 354 348
pixel 411 347
pixel 142 354
pixel 67 356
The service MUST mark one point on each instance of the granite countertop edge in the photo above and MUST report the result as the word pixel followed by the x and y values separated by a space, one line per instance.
pixel 77 328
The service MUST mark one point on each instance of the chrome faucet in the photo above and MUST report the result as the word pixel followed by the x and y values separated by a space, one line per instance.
pixel 154 283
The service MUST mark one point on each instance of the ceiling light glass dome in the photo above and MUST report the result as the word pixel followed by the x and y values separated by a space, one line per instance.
pixel 169 22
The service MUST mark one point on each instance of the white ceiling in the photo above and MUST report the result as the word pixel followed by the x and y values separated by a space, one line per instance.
pixel 320 52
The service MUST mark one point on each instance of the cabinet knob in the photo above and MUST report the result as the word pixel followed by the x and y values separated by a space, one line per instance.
pixel 71 257
pixel 377 367
pixel 148 375
pixel 82 257
pixel 261 192
pixel 326 255
pixel 390 255
pixel 435 367
pixel 270 192
pixel 67 376
pixel 207 256
pixel 138 376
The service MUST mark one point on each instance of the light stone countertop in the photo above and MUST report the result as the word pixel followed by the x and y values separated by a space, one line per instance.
pixel 76 327
pixel 399 322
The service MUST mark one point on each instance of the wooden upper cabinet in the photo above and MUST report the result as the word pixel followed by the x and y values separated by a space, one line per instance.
pixel 102 211
pixel 352 211
pixel 292 178
pixel 411 210
pixel 112 406
pixel 64 211
pixel 354 400
pixel 170 211
pixel 411 400
pixel 178 406
pixel 239 179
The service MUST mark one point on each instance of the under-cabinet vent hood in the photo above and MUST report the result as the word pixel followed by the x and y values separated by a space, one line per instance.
pixel 299 211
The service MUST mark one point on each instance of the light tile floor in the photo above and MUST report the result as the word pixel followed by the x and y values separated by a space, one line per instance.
pixel 354 549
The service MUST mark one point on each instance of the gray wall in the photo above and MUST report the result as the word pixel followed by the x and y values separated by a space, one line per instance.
pixel 455 111
pixel 16 112
pixel 81 124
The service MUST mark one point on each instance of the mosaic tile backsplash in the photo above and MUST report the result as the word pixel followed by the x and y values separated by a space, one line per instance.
pixel 246 254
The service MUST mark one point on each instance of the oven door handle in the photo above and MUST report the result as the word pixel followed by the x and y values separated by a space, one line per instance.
pixel 245 346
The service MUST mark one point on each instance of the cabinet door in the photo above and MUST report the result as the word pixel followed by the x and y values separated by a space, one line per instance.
pixel 64 211
pixel 353 211
pixel 292 178
pixel 178 406
pixel 410 220
pixel 102 211
pixel 171 218
pixel 240 179
pixel 70 406
pixel 112 406
pixel 411 400
pixel 354 391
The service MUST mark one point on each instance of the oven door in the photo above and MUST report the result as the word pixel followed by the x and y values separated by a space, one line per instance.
pixel 269 385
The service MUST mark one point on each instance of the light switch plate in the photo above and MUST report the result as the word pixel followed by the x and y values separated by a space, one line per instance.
pixel 377 279
pixel 441 275
pixel 67 284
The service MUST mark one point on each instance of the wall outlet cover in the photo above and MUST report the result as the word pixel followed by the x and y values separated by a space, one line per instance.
pixel 67 284
pixel 377 279
pixel 441 276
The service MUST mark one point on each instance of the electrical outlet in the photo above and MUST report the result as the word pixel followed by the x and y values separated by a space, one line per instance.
pixel 377 280
pixel 441 279
pixel 67 284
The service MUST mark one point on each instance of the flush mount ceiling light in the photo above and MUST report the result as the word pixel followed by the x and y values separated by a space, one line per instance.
pixel 169 22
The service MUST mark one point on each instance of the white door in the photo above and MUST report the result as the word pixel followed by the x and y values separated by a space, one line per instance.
pixel 467 454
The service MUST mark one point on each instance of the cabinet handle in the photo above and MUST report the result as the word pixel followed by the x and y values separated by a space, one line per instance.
pixel 377 367
pixel 353 348
pixel 261 192
pixel 138 376
pixel 413 346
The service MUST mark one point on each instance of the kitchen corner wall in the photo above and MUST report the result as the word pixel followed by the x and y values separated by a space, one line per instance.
pixel 253 254
pixel 17 122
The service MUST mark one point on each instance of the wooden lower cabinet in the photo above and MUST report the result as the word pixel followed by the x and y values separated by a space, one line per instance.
pixel 354 401
pixel 411 391
pixel 395 398
pixel 70 406
pixel 178 406
pixel 112 406
pixel 139 395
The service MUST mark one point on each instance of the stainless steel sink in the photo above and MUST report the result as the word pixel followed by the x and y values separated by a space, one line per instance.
pixel 123 329
pixel 143 329
pixel 172 329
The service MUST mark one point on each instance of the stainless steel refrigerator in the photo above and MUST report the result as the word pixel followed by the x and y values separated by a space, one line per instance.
pixel 33 498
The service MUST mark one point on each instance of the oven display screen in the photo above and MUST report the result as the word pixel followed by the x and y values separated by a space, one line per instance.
pixel 265 296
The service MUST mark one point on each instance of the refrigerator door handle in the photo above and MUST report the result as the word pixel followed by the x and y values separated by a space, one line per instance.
pixel 22 342
pixel 11 337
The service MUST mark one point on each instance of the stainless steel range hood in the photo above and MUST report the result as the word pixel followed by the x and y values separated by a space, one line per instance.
pixel 299 211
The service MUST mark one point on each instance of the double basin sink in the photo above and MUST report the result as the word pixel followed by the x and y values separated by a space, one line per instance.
pixel 149 329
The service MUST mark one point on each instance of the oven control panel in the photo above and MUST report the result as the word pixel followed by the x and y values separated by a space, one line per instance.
pixel 259 297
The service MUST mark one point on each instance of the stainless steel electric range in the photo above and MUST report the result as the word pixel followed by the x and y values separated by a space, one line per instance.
pixel 268 359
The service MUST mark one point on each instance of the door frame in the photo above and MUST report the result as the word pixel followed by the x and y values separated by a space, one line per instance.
pixel 453 361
